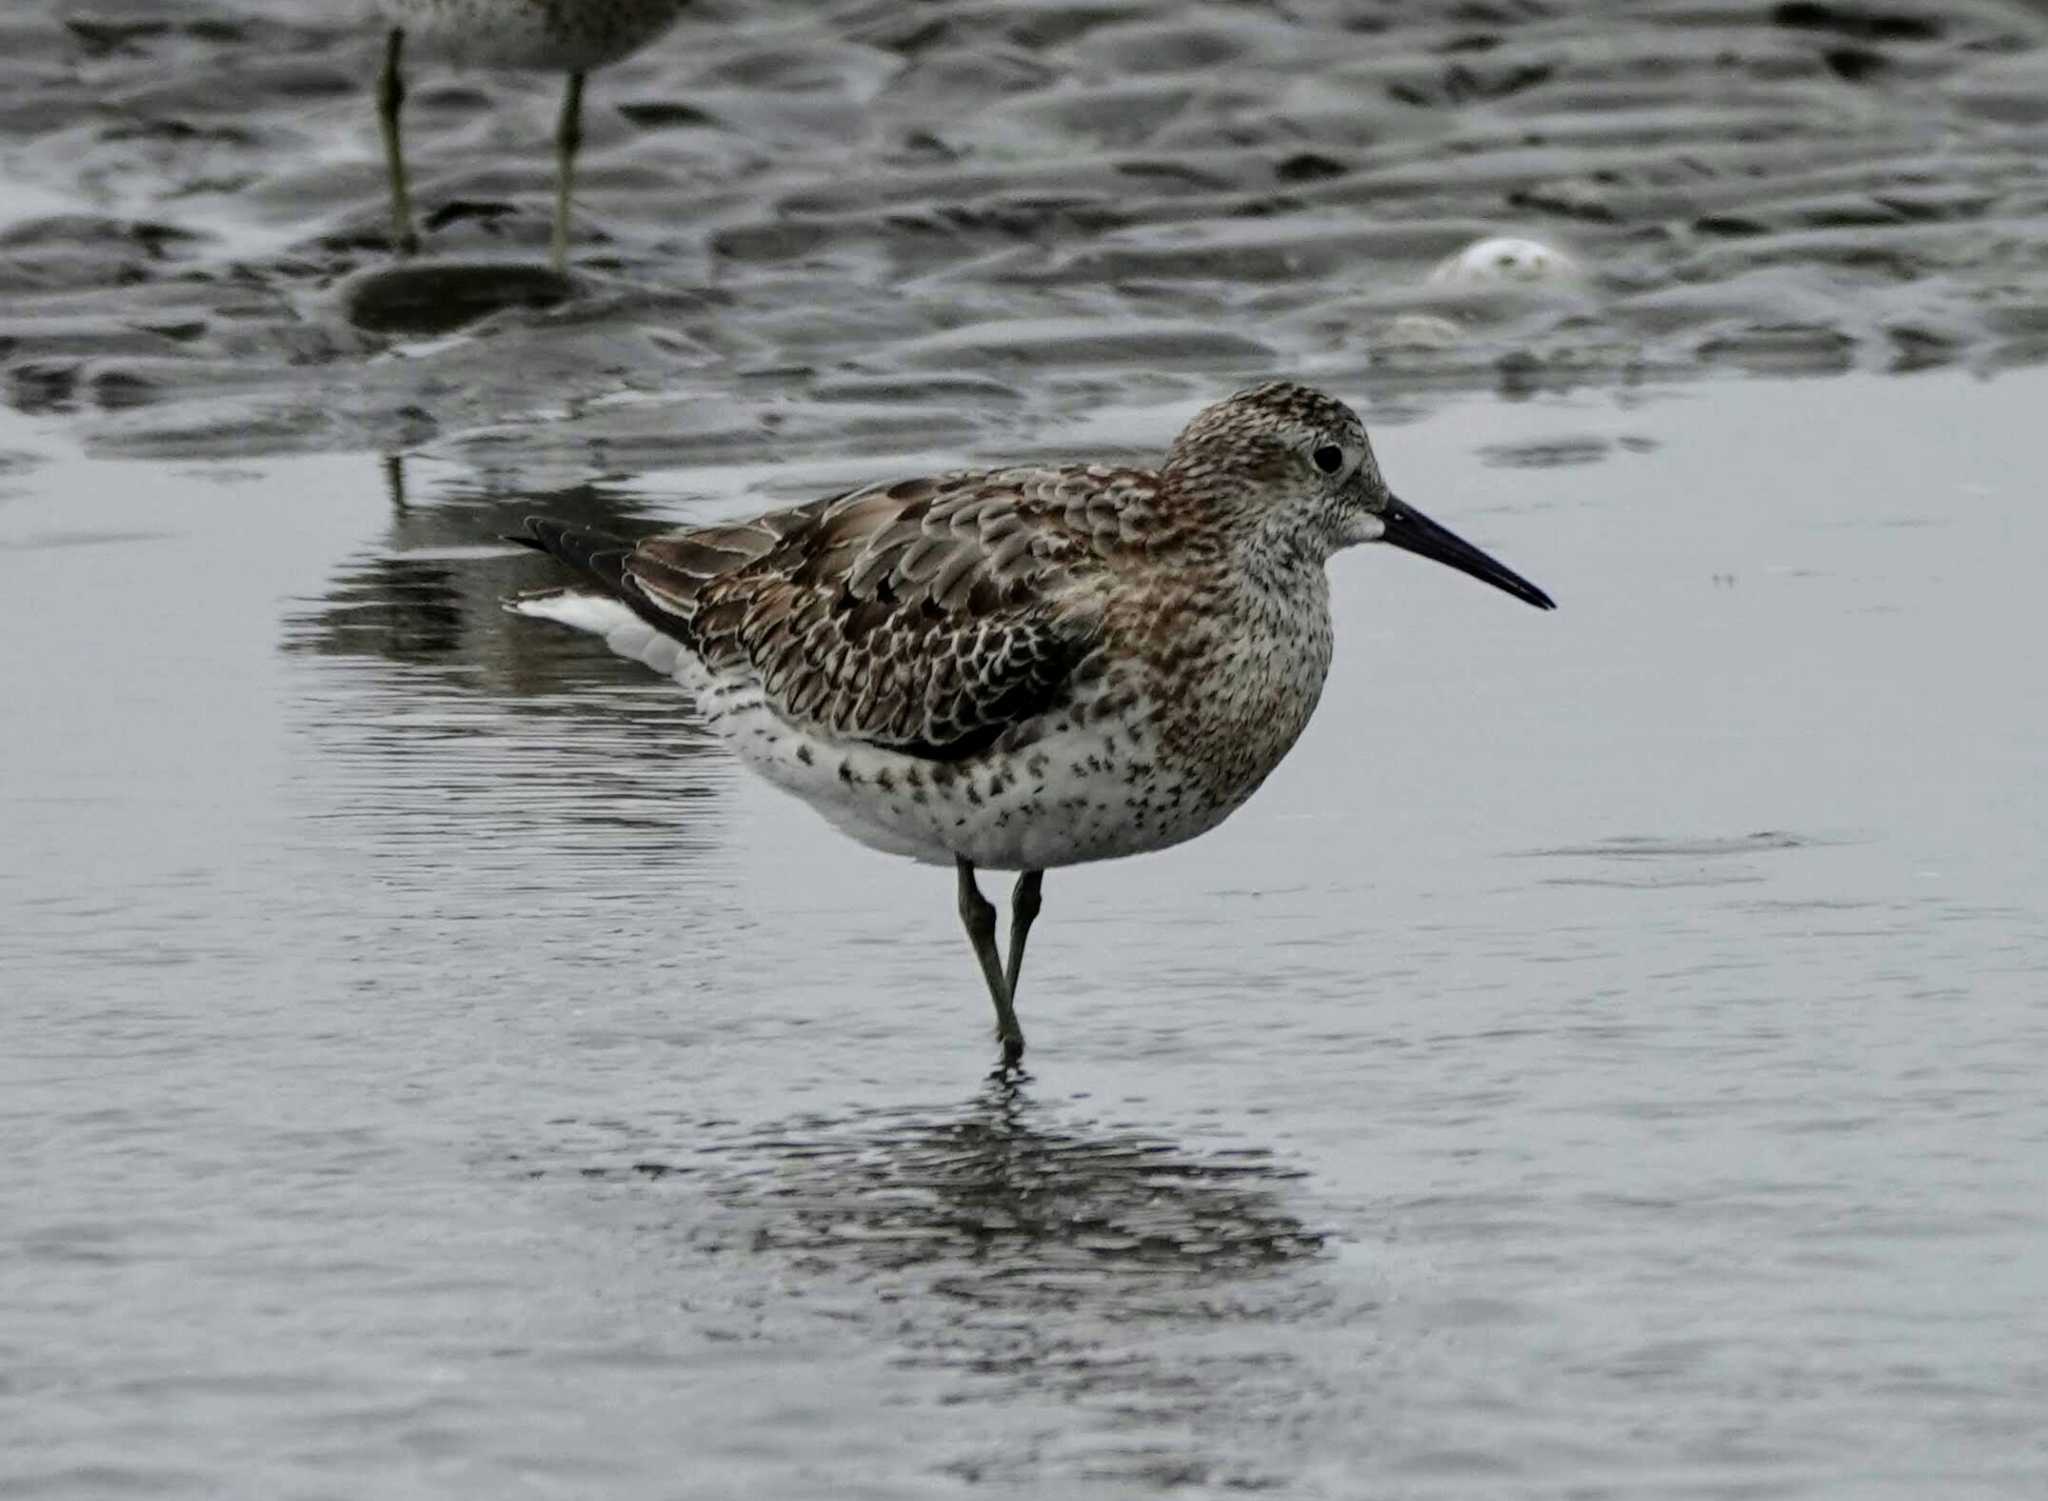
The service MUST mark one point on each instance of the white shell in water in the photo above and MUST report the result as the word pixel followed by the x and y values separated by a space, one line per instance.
pixel 1505 261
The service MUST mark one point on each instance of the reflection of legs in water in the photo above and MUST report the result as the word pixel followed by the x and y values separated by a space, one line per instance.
pixel 394 479
pixel 390 96
pixel 568 137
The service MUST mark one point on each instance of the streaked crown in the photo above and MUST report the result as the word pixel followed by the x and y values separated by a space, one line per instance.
pixel 1256 433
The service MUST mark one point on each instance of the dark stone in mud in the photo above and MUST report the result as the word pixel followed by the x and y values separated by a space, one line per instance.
pixel 106 38
pixel 436 297
pixel 1856 21
pixel 1309 166
pixel 1854 64
pixel 782 241
pixel 71 231
pixel 663 114
pixel 1571 197
pixel 39 386
pixel 88 250
pixel 1783 349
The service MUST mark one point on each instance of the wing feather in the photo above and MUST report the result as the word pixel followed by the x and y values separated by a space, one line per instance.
pixel 929 615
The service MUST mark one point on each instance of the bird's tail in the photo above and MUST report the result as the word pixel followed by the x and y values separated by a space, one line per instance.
pixel 599 556
pixel 610 610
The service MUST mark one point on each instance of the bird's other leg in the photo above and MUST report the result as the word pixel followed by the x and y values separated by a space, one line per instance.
pixel 568 137
pixel 978 916
pixel 1024 906
pixel 390 96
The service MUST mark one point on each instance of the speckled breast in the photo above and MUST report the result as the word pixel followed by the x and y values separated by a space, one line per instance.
pixel 1233 674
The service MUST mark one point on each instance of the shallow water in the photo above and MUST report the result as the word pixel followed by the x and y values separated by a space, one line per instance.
pixel 1604 1060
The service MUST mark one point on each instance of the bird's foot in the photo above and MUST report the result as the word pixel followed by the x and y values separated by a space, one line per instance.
pixel 1011 1068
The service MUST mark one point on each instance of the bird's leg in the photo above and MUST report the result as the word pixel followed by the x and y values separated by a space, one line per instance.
pixel 390 95
pixel 1023 912
pixel 978 916
pixel 568 136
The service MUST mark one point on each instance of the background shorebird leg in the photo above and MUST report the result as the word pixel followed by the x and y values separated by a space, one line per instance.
pixel 978 916
pixel 391 95
pixel 568 136
pixel 1024 906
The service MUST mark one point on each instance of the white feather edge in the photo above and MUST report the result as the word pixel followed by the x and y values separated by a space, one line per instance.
pixel 624 632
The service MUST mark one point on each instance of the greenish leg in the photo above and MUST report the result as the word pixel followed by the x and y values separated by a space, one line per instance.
pixel 1024 906
pixel 390 96
pixel 568 137
pixel 978 916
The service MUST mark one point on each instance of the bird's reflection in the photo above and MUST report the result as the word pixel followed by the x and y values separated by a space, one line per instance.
pixel 1004 1188
pixel 1004 1239
pixel 448 730
pixel 429 593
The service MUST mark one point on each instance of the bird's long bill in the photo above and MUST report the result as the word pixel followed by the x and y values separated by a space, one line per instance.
pixel 1410 530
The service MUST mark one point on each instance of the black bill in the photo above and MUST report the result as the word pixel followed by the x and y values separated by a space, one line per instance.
pixel 1414 532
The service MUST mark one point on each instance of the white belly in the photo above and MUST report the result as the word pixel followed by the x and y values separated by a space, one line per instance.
pixel 1089 793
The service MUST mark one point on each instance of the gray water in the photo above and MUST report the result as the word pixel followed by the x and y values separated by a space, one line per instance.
pixel 1604 1061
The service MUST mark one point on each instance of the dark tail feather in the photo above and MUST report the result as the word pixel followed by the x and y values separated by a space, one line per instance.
pixel 599 555
pixel 602 558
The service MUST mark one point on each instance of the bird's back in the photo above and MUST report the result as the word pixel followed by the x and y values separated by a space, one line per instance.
pixel 929 616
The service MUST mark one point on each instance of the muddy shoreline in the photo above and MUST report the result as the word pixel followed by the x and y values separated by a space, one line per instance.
pixel 965 221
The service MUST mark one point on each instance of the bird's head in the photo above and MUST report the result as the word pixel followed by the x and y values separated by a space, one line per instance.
pixel 1292 467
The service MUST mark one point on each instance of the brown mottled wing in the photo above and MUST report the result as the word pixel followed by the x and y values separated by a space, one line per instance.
pixel 927 616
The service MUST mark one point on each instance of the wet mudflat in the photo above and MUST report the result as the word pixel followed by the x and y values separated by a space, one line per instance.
pixel 1604 1060
pixel 859 211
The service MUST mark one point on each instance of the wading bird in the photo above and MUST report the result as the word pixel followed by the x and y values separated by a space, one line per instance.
pixel 557 36
pixel 1022 668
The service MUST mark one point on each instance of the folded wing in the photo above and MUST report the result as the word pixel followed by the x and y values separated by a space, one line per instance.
pixel 929 616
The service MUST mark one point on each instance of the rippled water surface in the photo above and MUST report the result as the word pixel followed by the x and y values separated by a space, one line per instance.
pixel 1606 1058
pixel 1604 1061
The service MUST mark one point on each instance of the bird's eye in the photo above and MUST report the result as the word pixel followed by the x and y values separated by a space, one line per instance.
pixel 1329 458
